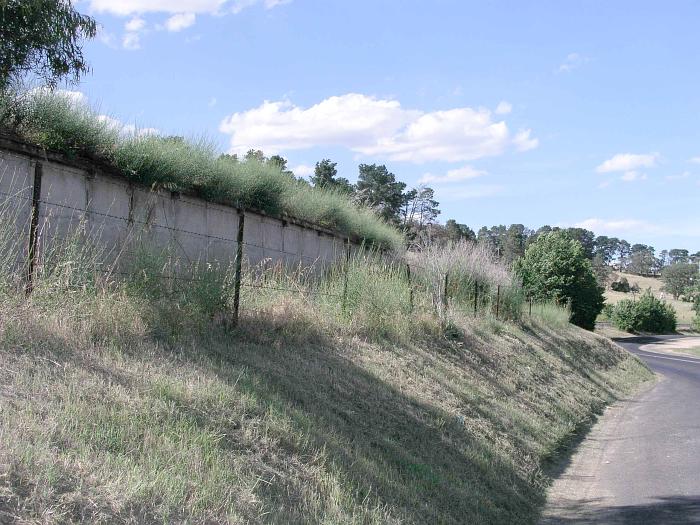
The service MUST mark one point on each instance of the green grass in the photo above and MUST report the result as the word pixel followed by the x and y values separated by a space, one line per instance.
pixel 136 402
pixel 55 122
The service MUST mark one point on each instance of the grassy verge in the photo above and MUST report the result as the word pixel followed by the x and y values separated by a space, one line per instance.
pixel 58 123
pixel 132 402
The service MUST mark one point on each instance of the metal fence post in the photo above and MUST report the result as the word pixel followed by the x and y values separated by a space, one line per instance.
pixel 498 299
pixel 476 297
pixel 33 228
pixel 410 286
pixel 239 261
pixel 530 306
pixel 444 293
pixel 345 277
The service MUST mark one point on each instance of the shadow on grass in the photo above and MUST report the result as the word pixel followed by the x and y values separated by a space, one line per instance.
pixel 389 449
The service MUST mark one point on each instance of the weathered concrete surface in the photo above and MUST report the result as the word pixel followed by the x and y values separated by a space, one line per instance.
pixel 16 184
pixel 121 218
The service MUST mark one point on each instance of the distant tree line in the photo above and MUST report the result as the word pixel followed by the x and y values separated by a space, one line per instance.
pixel 416 212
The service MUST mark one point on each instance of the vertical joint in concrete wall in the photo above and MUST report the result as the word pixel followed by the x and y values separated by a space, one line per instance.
pixel 239 263
pixel 33 228
pixel 130 217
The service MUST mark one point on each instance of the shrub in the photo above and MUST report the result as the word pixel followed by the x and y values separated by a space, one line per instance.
pixel 555 269
pixel 623 285
pixel 648 314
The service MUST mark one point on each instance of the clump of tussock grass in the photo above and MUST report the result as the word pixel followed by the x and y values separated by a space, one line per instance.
pixel 551 314
pixel 469 270
pixel 60 123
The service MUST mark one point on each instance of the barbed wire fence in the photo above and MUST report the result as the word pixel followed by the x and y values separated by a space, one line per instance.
pixel 242 275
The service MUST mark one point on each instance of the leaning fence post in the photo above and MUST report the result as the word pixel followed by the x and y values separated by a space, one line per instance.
pixel 33 228
pixel 498 299
pixel 476 296
pixel 239 261
pixel 410 286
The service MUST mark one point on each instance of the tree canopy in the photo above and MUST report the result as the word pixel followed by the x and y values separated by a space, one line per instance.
pixel 42 38
pixel 555 268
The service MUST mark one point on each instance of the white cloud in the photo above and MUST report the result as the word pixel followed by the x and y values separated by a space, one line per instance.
pixel 695 160
pixel 504 108
pixel 129 7
pixel 135 25
pixel 615 226
pixel 373 126
pixel 456 175
pixel 632 175
pixel 628 162
pixel 131 41
pixel 126 129
pixel 572 61
pixel 179 22
pixel 523 141
pixel 303 170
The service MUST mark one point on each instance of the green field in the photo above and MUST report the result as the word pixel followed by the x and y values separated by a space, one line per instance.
pixel 683 309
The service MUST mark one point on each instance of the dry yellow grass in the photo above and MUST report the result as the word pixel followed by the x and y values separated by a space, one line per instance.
pixel 683 309
pixel 106 418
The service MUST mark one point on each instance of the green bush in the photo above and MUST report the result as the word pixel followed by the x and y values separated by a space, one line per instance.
pixel 622 285
pixel 648 314
pixel 556 269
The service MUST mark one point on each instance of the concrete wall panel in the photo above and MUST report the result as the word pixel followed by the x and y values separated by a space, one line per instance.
pixel 124 218
pixel 16 189
pixel 273 234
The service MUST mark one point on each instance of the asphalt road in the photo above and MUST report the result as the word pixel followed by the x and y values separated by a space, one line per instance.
pixel 640 464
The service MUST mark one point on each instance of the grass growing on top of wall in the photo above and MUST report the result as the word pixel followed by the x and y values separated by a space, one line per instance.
pixel 58 123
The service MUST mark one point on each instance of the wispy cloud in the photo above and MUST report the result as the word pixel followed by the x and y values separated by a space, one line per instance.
pixel 572 61
pixel 504 107
pixel 455 175
pixel 626 162
pixel 179 22
pixel 617 226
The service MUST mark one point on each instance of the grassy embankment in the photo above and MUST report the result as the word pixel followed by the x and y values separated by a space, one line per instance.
pixel 132 401
pixel 129 402
pixel 684 310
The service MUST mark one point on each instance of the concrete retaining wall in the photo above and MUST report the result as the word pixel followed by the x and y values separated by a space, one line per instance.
pixel 118 216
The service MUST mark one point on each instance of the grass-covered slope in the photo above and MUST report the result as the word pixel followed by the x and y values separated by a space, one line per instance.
pixel 294 418
pixel 59 123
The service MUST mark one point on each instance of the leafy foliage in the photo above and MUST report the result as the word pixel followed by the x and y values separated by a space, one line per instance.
pixel 648 314
pixel 378 188
pixel 555 268
pixel 42 37
pixel 679 278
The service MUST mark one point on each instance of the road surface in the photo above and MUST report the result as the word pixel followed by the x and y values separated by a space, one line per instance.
pixel 640 464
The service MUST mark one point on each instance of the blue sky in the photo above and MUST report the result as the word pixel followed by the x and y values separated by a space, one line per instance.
pixel 560 113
